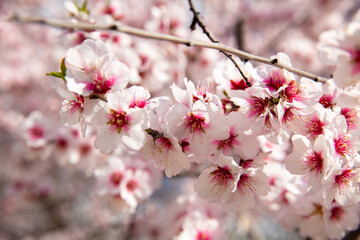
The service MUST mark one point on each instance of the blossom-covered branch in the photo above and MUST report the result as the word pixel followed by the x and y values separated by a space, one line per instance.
pixel 116 26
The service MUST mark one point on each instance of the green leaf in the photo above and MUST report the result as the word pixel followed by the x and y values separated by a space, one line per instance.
pixel 61 74
pixel 63 67
pixel 56 74
pixel 83 7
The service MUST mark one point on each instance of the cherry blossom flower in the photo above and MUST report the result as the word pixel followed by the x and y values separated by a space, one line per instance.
pixel 215 181
pixel 37 130
pixel 93 70
pixel 110 177
pixel 119 122
pixel 253 182
pixel 343 186
pixel 339 47
pixel 198 226
pixel 134 187
pixel 312 160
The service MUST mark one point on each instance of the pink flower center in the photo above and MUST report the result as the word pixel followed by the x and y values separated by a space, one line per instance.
pixel 244 183
pixel 355 55
pixel 202 236
pixel 116 177
pixel 351 117
pixel 238 85
pixel 326 101
pixel 289 116
pixel 101 84
pixel 132 185
pixel 139 101
pixel 118 120
pixel 36 133
pixel 315 127
pixel 62 143
pixel 343 180
pixel 337 213
pixel 257 106
pixel 342 145
pixel 196 123
pixel 165 143
pixel 292 92
pixel 226 144
pixel 313 162
pixel 85 149
pixel 221 176
pixel 276 80
pixel 246 164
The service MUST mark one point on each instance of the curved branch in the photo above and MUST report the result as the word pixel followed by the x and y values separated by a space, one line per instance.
pixel 116 26
pixel 196 20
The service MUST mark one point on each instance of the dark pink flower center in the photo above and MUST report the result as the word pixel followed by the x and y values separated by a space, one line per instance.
pixel 62 143
pixel 201 235
pixel 118 120
pixel 226 144
pixel 343 180
pixel 246 164
pixel 289 116
pixel 221 176
pixel 165 143
pixel 257 106
pixel 326 100
pixel 293 92
pixel 313 162
pixel 36 133
pixel 116 177
pixel 351 116
pixel 101 84
pixel 139 101
pixel 315 127
pixel 244 183
pixel 342 145
pixel 132 185
pixel 276 80
pixel 337 213
pixel 196 123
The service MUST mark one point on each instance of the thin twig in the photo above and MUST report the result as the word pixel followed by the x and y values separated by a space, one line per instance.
pixel 116 26
pixel 197 20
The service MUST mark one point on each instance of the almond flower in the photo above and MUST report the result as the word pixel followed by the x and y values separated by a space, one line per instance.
pixel 93 70
pixel 121 119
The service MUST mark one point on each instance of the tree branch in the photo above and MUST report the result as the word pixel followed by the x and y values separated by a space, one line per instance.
pixel 196 20
pixel 116 26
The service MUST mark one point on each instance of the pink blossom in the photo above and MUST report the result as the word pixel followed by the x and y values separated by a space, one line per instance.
pixel 215 181
pixel 91 69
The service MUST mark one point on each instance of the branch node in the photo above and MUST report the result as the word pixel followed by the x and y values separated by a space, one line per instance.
pixel 274 61
pixel 113 27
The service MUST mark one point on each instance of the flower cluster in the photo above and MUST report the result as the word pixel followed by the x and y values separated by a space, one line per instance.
pixel 260 140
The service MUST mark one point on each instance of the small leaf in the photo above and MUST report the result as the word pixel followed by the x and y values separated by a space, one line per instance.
pixel 83 7
pixel 226 94
pixel 56 74
pixel 63 67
